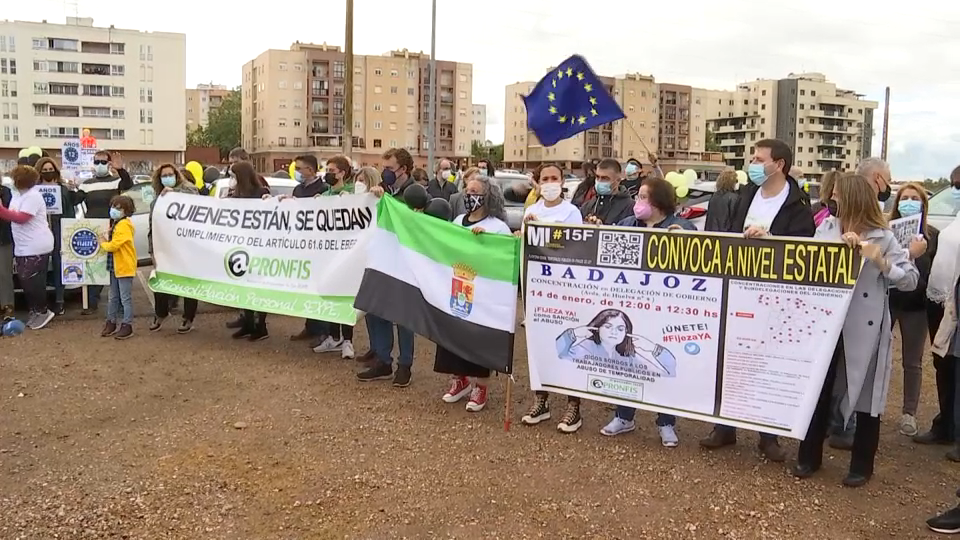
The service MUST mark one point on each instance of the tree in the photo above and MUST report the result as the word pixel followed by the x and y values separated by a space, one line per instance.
pixel 711 144
pixel 197 137
pixel 481 151
pixel 223 127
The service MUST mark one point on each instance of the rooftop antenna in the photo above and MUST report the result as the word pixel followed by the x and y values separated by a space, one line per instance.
pixel 72 8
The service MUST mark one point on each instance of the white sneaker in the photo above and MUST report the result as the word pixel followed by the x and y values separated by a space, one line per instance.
pixel 347 352
pixel 41 320
pixel 329 345
pixel 668 436
pixel 618 426
pixel 908 425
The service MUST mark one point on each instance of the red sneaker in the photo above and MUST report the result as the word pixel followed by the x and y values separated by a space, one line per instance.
pixel 478 398
pixel 459 388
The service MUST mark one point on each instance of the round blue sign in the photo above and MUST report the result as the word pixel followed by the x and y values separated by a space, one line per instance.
pixel 691 348
pixel 84 243
pixel 49 199
pixel 71 155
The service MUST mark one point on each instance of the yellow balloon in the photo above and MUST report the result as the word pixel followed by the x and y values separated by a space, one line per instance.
pixel 35 151
pixel 197 171
pixel 292 169
pixel 24 153
pixel 682 191
pixel 690 175
pixel 674 178
pixel 741 177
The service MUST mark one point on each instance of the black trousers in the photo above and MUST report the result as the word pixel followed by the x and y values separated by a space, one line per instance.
pixel 866 438
pixel 254 319
pixel 341 331
pixel 946 373
pixel 163 302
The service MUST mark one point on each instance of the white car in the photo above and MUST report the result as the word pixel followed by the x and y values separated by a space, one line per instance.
pixel 278 186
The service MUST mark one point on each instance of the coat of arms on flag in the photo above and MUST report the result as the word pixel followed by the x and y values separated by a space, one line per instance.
pixel 461 297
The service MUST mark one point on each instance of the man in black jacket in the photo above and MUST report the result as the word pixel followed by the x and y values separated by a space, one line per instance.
pixel 6 258
pixel 771 204
pixel 612 203
pixel 440 185
pixel 309 185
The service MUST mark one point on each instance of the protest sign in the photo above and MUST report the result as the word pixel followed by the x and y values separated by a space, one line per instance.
pixel 297 257
pixel 713 327
pixel 52 197
pixel 905 229
pixel 82 260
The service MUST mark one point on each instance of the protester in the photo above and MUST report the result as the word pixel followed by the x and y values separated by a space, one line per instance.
pixel 239 155
pixel 947 522
pixel 339 178
pixel 211 175
pixel 420 177
pixel 485 214
pixel 552 208
pixel 456 200
pixel 248 186
pixel 585 190
pixel 167 179
pixel 6 257
pixel 70 198
pixel 612 204
pixel 416 197
pixel 441 185
pixel 486 168
pixel 771 204
pixel 865 347
pixel 367 178
pixel 909 309
pixel 122 265
pixel 821 210
pixel 723 203
pixel 32 242
pixel 109 180
pixel 395 179
pixel 877 171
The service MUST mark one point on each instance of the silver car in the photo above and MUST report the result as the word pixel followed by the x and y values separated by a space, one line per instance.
pixel 515 187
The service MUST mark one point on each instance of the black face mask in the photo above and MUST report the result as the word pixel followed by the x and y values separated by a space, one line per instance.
pixel 49 176
pixel 882 197
pixel 330 178
pixel 833 208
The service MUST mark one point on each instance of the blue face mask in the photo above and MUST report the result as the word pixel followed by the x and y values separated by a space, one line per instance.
pixel 298 176
pixel 603 188
pixel 168 181
pixel 631 169
pixel 757 173
pixel 102 170
pixel 909 207
pixel 388 177
pixel 955 191
pixel 117 214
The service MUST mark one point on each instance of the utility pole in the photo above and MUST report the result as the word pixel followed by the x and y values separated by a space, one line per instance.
pixel 886 125
pixel 348 84
pixel 432 98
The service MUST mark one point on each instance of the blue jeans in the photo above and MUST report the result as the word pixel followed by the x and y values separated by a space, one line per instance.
pixel 380 332
pixel 627 413
pixel 121 296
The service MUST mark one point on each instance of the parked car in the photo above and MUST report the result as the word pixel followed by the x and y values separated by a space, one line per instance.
pixel 278 186
pixel 693 207
pixel 943 208
pixel 516 187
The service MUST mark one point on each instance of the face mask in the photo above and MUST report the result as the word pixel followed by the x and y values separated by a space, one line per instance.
pixel 388 177
pixel 631 169
pixel 359 188
pixel 117 214
pixel 551 191
pixel 472 202
pixel 908 207
pixel 49 176
pixel 882 197
pixel 168 181
pixel 330 178
pixel 102 170
pixel 298 176
pixel 757 173
pixel 443 175
pixel 955 191
pixel 833 208
pixel 642 209
pixel 603 188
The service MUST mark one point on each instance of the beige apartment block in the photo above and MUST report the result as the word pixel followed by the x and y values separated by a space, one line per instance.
pixel 293 103
pixel 827 127
pixel 478 124
pixel 125 86
pixel 201 101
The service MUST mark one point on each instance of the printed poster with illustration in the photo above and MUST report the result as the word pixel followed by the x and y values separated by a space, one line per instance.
pixel 713 327
pixel 82 260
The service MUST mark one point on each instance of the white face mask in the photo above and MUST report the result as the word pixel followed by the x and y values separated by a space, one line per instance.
pixel 551 192
pixel 359 188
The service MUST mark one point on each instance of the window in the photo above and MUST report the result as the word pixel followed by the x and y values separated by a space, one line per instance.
pixel 813 92
pixel 281 141
pixel 802 106
pixel 282 66
pixel 803 92
pixel 378 89
pixel 356 124
pixel 377 143
pixel 463 77
pixel 296 122
pixel 338 70
pixel 463 95
pixel 338 107
pixel 393 108
pixel 298 66
pixel 410 109
pixel 377 107
pixel 41 109
pixel 411 73
pixel 117 134
pixel 298 142
pixel 298 85
pixel 393 90
pixel 283 104
pixel 40 65
pixel 393 126
pixel 298 104
pixel 41 88
pixel 377 125
pixel 410 91
pixel 117 70
pixel 282 122
pixel 117 113
pixel 117 48
pixel 282 85
pixel 378 72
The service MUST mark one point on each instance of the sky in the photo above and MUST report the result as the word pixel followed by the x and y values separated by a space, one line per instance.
pixel 860 45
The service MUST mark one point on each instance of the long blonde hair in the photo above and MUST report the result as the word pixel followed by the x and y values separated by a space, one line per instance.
pixel 858 206
pixel 368 176
pixel 918 187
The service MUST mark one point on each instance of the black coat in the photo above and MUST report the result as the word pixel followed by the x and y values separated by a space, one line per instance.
pixel 445 191
pixel 720 211
pixel 916 300
pixel 611 209
pixel 6 233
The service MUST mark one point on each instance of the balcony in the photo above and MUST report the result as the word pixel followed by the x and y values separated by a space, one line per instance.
pixel 838 112
pixel 96 112
pixel 831 141
pixel 70 112
pixel 732 142
pixel 830 156
pixel 64 89
pixel 95 69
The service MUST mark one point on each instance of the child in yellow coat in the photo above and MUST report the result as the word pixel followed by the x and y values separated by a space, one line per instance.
pixel 122 265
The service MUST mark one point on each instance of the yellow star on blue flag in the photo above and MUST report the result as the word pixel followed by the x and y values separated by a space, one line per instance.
pixel 570 99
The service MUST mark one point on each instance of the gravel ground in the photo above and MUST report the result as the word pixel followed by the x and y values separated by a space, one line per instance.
pixel 199 437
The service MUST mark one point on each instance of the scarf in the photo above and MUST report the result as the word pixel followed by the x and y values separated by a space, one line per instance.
pixel 946 265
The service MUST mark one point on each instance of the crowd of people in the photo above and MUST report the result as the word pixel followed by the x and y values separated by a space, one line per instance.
pixel 915 286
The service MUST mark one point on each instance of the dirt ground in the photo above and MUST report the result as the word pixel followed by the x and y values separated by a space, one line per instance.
pixel 200 437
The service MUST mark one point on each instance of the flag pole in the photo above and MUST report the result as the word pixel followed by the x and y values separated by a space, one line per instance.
pixel 634 130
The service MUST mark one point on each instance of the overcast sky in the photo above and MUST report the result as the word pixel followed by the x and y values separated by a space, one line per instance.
pixel 860 45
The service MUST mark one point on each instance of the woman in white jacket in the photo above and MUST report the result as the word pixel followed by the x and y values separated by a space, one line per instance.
pixel 863 358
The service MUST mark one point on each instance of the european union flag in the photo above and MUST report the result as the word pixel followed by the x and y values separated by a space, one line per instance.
pixel 569 100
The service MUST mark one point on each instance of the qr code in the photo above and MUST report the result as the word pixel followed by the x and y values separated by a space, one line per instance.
pixel 619 249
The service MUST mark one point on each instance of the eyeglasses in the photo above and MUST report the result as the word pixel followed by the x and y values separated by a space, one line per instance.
pixel 100 162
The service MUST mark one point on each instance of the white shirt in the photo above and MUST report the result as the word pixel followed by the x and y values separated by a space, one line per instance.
pixel 34 236
pixel 762 211
pixel 489 224
pixel 564 212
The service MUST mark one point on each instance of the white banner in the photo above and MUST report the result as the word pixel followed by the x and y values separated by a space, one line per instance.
pixel 713 327
pixel 298 257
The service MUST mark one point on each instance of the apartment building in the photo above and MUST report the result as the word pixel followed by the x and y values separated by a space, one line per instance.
pixel 478 124
pixel 125 86
pixel 828 128
pixel 203 100
pixel 293 103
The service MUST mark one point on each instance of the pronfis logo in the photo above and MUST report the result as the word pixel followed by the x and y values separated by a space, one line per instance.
pixel 236 263
pixel 239 264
